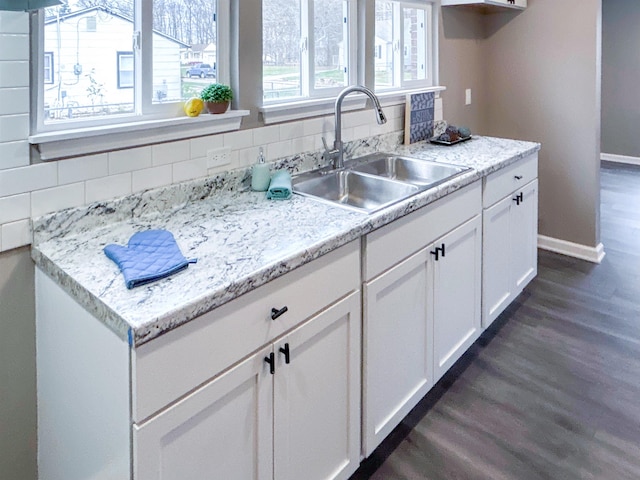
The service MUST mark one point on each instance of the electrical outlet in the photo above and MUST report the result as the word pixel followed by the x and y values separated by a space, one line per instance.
pixel 216 157
pixel 467 96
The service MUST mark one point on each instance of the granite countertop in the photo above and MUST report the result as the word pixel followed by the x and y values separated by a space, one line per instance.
pixel 241 240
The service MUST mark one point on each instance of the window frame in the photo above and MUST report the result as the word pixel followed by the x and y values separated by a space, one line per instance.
pixel 144 108
pixel 307 61
pixel 431 46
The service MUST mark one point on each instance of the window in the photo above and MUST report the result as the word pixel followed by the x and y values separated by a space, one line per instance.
pixel 404 44
pixel 87 89
pixel 125 69
pixel 308 48
pixel 48 68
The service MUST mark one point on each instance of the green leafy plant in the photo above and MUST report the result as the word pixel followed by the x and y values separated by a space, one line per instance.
pixel 217 93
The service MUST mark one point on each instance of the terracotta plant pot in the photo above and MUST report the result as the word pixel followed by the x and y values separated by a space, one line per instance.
pixel 217 107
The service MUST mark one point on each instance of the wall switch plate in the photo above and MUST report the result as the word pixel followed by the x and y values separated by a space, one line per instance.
pixel 467 96
pixel 216 157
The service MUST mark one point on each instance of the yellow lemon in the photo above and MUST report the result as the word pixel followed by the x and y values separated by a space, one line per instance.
pixel 193 107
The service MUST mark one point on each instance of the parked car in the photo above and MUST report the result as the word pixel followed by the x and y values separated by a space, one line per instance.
pixel 201 70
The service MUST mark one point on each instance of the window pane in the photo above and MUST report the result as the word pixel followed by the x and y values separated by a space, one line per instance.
pixel 384 39
pixel 125 70
pixel 184 48
pixel 281 57
pixel 330 42
pixel 85 41
pixel 415 44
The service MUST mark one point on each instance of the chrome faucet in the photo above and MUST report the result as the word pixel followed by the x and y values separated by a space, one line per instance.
pixel 337 154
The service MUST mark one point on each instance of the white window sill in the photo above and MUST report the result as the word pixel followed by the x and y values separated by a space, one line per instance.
pixel 399 97
pixel 297 110
pixel 89 140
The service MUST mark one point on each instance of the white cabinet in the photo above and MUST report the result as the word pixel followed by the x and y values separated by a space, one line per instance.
pixel 422 312
pixel 456 297
pixel 317 396
pixel 489 5
pixel 200 401
pixel 397 368
pixel 223 430
pixel 510 231
pixel 290 411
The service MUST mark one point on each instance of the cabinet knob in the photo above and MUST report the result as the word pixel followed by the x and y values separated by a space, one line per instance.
pixel 518 198
pixel 272 363
pixel 518 177
pixel 438 251
pixel 275 313
pixel 286 352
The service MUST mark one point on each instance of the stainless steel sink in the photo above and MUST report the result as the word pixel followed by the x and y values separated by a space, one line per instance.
pixel 423 173
pixel 375 181
pixel 351 189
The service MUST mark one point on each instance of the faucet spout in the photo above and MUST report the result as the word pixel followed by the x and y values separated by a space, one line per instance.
pixel 338 146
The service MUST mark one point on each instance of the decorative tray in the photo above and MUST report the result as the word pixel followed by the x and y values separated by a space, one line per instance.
pixel 440 142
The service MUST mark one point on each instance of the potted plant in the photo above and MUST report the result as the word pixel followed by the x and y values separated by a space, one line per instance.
pixel 216 97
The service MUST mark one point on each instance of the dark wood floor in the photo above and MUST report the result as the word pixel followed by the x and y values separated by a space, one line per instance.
pixel 552 389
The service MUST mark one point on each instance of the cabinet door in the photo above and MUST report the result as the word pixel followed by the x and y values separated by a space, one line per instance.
pixel 222 430
pixel 524 236
pixel 497 282
pixel 456 298
pixel 317 396
pixel 397 362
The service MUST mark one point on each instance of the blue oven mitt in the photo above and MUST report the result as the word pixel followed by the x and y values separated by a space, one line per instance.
pixel 149 256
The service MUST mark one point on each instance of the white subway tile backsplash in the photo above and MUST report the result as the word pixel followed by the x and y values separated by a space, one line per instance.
pixel 14 46
pixel 362 131
pixel 129 160
pixel 249 156
pixel 14 22
pixel 151 178
pixel 200 145
pixel 14 74
pixel 173 152
pixel 14 154
pixel 107 188
pixel 57 198
pixel 291 130
pixel 238 140
pixel 14 101
pixel 280 149
pixel 14 127
pixel 83 168
pixel 16 234
pixel 189 170
pixel 27 179
pixel 264 135
pixel 15 207
pixel 314 126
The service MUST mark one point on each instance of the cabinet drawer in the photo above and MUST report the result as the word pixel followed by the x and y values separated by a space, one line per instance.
pixel 175 363
pixel 503 182
pixel 398 240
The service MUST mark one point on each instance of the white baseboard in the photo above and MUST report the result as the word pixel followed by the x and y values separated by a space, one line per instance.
pixel 610 157
pixel 590 254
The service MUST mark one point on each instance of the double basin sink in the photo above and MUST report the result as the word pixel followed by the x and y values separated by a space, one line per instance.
pixel 375 181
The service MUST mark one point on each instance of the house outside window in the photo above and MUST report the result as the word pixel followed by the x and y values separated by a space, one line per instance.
pixel 125 70
pixel 404 45
pixel 83 88
pixel 308 48
pixel 47 75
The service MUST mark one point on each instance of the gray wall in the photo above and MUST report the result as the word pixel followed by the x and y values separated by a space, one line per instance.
pixel 17 367
pixel 461 50
pixel 543 77
pixel 535 76
pixel 621 77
